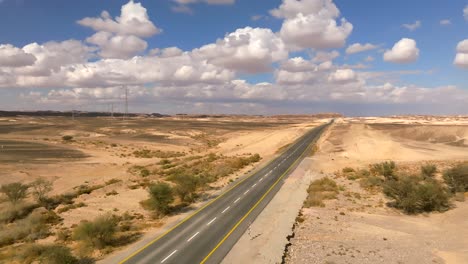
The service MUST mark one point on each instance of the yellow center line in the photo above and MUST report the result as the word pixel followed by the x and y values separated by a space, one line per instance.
pixel 253 208
pixel 200 209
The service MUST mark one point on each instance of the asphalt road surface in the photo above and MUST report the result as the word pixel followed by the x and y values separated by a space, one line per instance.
pixel 207 235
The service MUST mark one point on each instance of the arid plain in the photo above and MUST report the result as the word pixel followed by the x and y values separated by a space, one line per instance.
pixel 359 225
pixel 104 166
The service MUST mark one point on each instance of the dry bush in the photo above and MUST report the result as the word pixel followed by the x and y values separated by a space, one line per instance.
pixel 147 154
pixel 98 233
pixel 457 178
pixel 50 254
pixel 33 227
pixel 320 190
pixel 15 192
pixel 11 213
pixel 212 167
pixel 428 170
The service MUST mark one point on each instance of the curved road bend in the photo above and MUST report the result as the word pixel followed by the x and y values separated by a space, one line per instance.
pixel 207 235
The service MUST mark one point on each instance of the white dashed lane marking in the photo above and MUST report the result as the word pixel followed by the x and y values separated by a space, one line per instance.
pixel 192 237
pixel 227 208
pixel 170 255
pixel 212 220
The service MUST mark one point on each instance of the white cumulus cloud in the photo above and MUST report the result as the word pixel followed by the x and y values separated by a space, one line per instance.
pixel 358 47
pixel 251 50
pixel 312 24
pixel 461 59
pixel 404 51
pixel 343 76
pixel 11 56
pixel 133 20
pixel 122 37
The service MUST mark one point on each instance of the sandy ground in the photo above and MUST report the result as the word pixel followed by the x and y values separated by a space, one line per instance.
pixel 363 229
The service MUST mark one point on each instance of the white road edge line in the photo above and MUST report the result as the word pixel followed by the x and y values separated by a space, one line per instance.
pixel 227 208
pixel 170 255
pixel 237 200
pixel 212 220
pixel 196 234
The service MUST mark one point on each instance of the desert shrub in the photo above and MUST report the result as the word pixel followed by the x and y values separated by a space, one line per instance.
pixel 413 195
pixel 139 171
pixel 67 138
pixel 457 178
pixel 113 181
pixel 211 167
pixel 50 254
pixel 146 153
pixel 15 192
pixel 69 207
pixel 9 214
pixel 348 170
pixel 40 189
pixel 386 169
pixel 33 227
pixel 161 198
pixel 428 170
pixel 164 162
pixel 98 233
pixel 186 187
pixel 111 193
pixel 319 190
pixel 370 182
pixel 63 235
pixel 86 189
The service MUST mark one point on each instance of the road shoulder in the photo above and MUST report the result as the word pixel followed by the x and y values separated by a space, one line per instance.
pixel 266 238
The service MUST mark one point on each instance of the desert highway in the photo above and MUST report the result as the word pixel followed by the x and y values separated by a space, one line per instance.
pixel 208 234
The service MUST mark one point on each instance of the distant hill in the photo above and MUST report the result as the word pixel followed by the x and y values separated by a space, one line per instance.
pixel 69 113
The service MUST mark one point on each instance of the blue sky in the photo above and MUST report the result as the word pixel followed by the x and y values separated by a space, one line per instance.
pixel 427 75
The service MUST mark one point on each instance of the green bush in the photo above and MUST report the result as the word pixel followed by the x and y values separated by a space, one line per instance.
pixel 161 198
pixel 386 169
pixel 370 182
pixel 15 192
pixel 50 254
pixel 457 178
pixel 186 187
pixel 98 233
pixel 413 195
pixel 428 170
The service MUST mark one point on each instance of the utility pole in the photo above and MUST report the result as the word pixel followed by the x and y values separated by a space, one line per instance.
pixel 126 103
pixel 112 110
